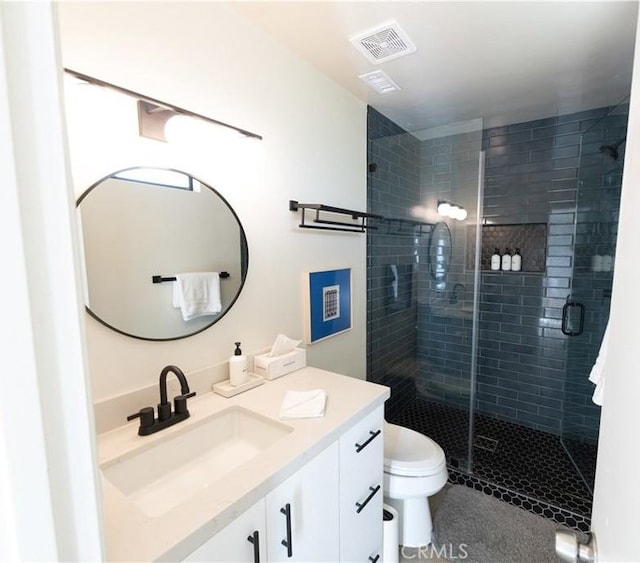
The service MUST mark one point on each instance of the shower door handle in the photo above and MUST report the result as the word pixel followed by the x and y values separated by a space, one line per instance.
pixel 569 321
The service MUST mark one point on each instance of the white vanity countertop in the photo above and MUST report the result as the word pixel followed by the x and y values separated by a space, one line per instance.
pixel 132 535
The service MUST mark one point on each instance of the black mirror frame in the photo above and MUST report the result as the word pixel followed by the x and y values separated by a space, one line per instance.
pixel 244 256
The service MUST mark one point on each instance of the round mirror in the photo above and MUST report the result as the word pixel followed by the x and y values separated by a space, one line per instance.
pixel 440 251
pixel 142 227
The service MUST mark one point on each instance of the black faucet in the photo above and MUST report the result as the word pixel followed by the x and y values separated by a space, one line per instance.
pixel 148 423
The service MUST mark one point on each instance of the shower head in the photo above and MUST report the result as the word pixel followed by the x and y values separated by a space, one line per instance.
pixel 612 150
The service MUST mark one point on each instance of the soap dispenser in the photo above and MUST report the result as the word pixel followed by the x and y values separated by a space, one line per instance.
pixel 516 261
pixel 495 259
pixel 506 261
pixel 238 374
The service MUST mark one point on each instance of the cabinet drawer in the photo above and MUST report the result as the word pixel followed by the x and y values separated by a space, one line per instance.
pixel 362 451
pixel 361 532
pixel 362 433
pixel 361 493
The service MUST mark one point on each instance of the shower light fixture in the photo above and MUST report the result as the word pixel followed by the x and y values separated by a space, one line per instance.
pixel 448 209
pixel 444 208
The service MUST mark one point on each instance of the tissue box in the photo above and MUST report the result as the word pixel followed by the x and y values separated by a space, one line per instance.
pixel 272 368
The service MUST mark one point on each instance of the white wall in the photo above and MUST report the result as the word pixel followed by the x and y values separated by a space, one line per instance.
pixel 204 57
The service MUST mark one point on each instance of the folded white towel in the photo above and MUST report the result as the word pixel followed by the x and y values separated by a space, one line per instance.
pixel 303 404
pixel 197 294
pixel 597 374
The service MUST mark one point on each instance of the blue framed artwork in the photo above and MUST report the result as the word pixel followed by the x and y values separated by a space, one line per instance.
pixel 329 303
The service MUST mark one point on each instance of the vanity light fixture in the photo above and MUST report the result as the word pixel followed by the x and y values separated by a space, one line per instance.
pixel 152 120
pixel 154 114
pixel 184 129
pixel 448 209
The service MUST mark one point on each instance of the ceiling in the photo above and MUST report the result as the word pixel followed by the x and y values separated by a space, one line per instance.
pixel 505 62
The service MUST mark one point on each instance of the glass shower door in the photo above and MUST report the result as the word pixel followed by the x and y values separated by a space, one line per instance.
pixel 596 226
pixel 421 272
pixel 447 311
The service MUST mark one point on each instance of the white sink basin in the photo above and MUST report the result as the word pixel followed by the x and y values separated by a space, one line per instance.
pixel 159 477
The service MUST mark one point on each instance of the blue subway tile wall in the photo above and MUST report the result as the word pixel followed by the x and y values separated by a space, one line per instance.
pixel 529 372
pixel 531 176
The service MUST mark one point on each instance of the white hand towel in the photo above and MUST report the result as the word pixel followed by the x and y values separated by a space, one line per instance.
pixel 303 404
pixel 597 374
pixel 197 294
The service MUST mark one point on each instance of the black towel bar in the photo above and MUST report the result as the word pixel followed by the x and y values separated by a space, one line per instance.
pixel 359 226
pixel 160 279
pixel 361 222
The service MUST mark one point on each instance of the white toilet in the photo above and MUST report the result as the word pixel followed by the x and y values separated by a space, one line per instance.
pixel 415 468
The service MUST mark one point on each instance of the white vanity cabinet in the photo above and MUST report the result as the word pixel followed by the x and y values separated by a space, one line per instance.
pixel 243 540
pixel 329 510
pixel 361 492
pixel 302 513
pixel 297 521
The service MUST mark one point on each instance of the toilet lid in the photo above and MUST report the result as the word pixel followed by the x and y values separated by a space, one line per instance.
pixel 407 452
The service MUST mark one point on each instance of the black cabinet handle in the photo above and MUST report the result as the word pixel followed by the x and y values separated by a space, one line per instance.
pixel 255 540
pixel 287 543
pixel 372 437
pixel 361 505
pixel 568 322
pixel 374 559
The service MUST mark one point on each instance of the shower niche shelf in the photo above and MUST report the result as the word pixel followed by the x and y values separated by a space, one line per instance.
pixel 530 238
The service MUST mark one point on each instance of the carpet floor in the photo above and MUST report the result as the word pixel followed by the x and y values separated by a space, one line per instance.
pixel 487 530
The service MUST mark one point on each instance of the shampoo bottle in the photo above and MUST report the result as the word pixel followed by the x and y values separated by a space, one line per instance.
pixel 238 367
pixel 495 259
pixel 516 261
pixel 506 261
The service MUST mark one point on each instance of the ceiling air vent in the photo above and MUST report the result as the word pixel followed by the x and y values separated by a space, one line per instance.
pixel 380 81
pixel 383 44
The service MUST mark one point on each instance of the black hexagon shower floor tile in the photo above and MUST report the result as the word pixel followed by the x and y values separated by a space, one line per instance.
pixel 524 467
